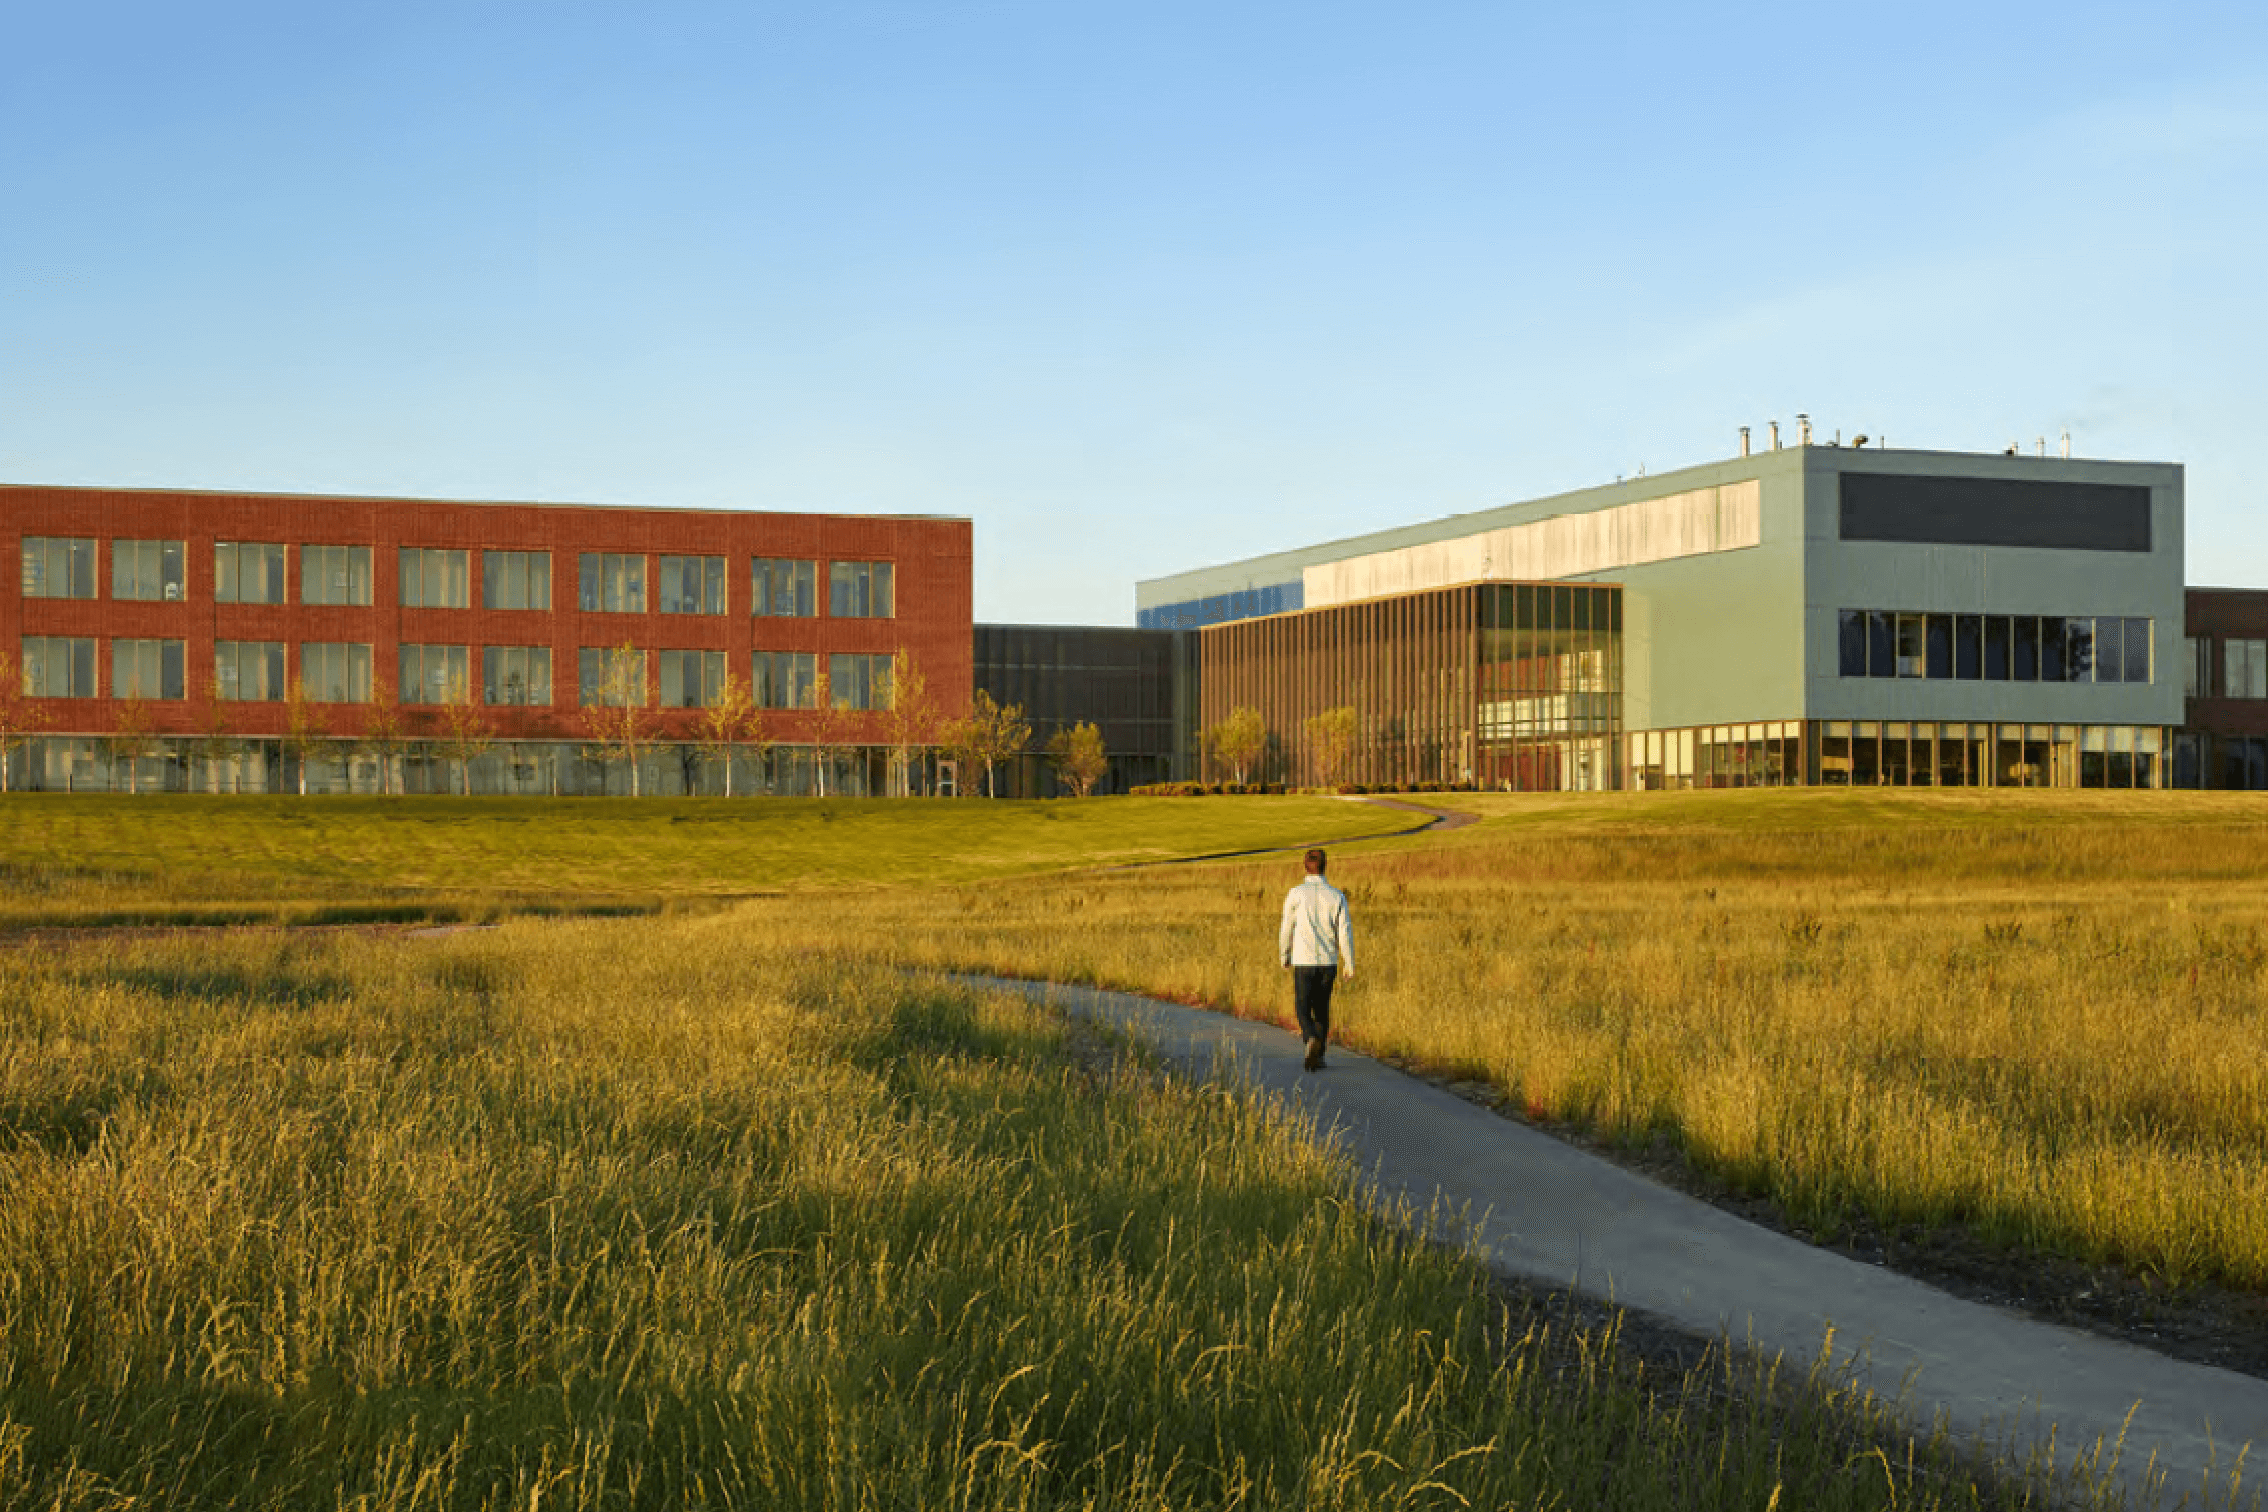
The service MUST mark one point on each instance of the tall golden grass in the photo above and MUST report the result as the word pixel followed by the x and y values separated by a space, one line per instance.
pixel 678 1212
pixel 2043 1023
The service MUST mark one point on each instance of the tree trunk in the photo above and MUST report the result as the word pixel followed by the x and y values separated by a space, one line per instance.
pixel 728 771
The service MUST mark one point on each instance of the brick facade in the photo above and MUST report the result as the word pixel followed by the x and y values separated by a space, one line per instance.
pixel 931 557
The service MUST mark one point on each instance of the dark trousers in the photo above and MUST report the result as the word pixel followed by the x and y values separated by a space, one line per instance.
pixel 1311 1000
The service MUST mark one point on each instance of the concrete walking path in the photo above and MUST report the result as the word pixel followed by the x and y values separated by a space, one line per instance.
pixel 1546 1212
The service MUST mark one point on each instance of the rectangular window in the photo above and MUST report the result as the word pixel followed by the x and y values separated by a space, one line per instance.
pixel 249 671
pixel 59 666
pixel 2078 650
pixel 2244 663
pixel 146 669
pixel 435 675
pixel 611 677
pixel 1850 636
pixel 148 571
pixel 2196 666
pixel 335 671
pixel 1881 644
pixel 518 675
pixel 2138 658
pixel 783 679
pixel 692 585
pixel 608 583
pixel 1911 648
pixel 1968 647
pixel 436 579
pixel 337 575
pixel 785 588
pixel 1938 635
pixel 858 682
pixel 60 567
pixel 691 679
pixel 515 580
pixel 2110 650
pixel 1997 654
pixel 860 590
pixel 2027 648
pixel 247 573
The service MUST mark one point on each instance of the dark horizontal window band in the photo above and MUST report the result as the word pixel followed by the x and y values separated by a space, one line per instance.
pixel 1995 512
pixel 2026 648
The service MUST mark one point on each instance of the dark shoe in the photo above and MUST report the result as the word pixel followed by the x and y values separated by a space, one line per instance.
pixel 1314 1055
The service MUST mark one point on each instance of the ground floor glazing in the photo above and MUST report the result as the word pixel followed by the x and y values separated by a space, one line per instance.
pixel 1902 753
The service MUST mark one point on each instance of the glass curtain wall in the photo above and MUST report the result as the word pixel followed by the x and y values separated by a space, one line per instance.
pixel 1505 685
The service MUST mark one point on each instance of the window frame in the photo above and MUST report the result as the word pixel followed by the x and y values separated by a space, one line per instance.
pixel 316 565
pixel 168 591
pixel 228 571
pixel 171 674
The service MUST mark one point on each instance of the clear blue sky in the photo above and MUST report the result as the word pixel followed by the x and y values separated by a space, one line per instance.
pixel 1137 284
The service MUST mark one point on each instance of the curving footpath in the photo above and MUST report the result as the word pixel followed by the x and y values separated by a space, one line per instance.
pixel 1549 1213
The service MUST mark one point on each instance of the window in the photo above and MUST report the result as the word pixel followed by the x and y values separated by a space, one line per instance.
pixel 148 571
pixel 2001 648
pixel 691 679
pixel 59 666
pixel 611 677
pixel 1910 645
pixel 516 675
pixel 516 580
pixel 433 579
pixel 2244 668
pixel 335 671
pixel 2196 666
pixel 2027 642
pixel 434 675
pixel 783 679
pixel 246 573
pixel 59 567
pixel 860 590
pixel 610 584
pixel 858 682
pixel 1968 647
pixel 1998 654
pixel 2138 658
pixel 334 575
pixel 1851 639
pixel 786 589
pixel 2079 650
pixel 145 669
pixel 692 585
pixel 249 671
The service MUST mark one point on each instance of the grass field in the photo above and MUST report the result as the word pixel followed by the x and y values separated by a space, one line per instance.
pixel 667 1212
pixel 721 1206
pixel 2035 1018
pixel 194 859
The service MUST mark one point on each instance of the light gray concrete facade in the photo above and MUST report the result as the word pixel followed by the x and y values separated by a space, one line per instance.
pixel 1748 624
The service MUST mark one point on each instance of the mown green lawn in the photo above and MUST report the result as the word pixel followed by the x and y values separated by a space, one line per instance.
pixel 67 859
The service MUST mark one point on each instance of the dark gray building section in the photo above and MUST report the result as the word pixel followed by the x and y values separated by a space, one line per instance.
pixel 1924 510
pixel 1138 687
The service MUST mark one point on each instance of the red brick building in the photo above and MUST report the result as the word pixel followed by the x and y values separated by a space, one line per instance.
pixel 195 612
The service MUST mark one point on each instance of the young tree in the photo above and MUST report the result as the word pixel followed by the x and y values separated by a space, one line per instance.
pixel 130 738
pixel 990 734
pixel 911 723
pixel 307 728
pixel 385 732
pixel 468 730
pixel 1079 758
pixel 618 721
pixel 20 713
pixel 1239 741
pixel 833 723
pixel 728 723
pixel 1331 739
pixel 216 738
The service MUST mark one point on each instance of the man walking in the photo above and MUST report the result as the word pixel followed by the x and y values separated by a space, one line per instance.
pixel 1317 943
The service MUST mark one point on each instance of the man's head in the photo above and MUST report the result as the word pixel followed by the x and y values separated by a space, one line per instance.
pixel 1315 863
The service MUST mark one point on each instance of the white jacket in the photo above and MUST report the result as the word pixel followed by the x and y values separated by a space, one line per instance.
pixel 1317 930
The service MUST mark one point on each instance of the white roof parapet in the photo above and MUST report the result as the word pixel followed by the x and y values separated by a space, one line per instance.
pixel 1726 517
